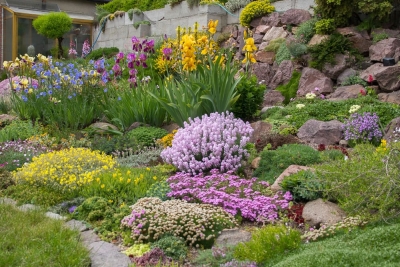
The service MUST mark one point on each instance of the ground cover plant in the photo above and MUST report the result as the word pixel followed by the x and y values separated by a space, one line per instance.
pixel 31 239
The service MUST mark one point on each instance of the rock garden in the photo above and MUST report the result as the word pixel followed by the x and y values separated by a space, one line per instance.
pixel 272 143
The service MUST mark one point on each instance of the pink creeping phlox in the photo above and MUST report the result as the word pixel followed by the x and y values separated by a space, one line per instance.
pixel 235 195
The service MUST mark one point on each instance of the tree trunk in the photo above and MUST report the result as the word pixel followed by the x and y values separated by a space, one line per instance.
pixel 60 48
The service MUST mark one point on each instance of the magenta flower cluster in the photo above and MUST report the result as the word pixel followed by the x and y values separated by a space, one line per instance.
pixel 362 127
pixel 211 142
pixel 85 48
pixel 237 196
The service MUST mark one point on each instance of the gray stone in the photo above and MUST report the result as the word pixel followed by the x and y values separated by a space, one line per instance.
pixel 392 131
pixel 295 16
pixel 8 201
pixel 102 127
pixel 393 97
pixel 272 98
pixel 388 78
pixel 54 216
pixel 317 39
pixel 260 128
pixel 272 20
pixel 345 74
pixel 232 237
pixel 288 171
pixel 28 207
pixel 103 254
pixel 262 29
pixel 334 70
pixel 76 225
pixel 7 118
pixel 321 132
pixel 319 212
pixel 263 71
pixel 346 92
pixel 265 57
pixel 89 237
pixel 258 38
pixel 275 33
pixel 311 79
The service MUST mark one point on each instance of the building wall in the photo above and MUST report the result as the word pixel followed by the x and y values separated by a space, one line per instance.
pixel 118 32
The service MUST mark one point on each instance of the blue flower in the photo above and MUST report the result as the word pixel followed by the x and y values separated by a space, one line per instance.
pixel 24 98
pixel 119 98
pixel 50 92
pixel 70 96
pixel 105 90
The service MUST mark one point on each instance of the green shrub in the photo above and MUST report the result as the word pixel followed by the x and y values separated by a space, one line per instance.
pixel 215 257
pixel 331 155
pixel 303 185
pixel 146 156
pixel 5 179
pixel 254 10
pixel 354 79
pixel 109 145
pixel 339 10
pixel 106 52
pixel 274 45
pixel 274 162
pixel 20 130
pixel 147 136
pixel 160 190
pixel 289 90
pixel 172 246
pixel 250 99
pixel 282 54
pixel 197 224
pixel 54 52
pixel 377 37
pixel 325 52
pixel 306 31
pixel 235 5
pixel 121 185
pixel 366 184
pixel 267 243
pixel 325 26
pixel 297 49
pixel 125 5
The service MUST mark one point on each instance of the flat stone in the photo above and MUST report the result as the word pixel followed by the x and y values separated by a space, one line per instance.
pixel 89 237
pixel 232 237
pixel 8 201
pixel 103 254
pixel 76 225
pixel 28 207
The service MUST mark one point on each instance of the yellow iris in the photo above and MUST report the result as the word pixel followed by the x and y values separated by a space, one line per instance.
pixel 212 26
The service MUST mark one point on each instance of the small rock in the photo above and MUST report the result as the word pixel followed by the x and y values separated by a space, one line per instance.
pixel 54 216
pixel 103 254
pixel 319 212
pixel 8 201
pixel 295 16
pixel 288 171
pixel 232 237
pixel 76 225
pixel 28 207
pixel 255 163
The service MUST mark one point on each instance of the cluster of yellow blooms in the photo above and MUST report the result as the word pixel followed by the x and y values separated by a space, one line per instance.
pixel 66 169
pixel 188 50
pixel 249 48
pixel 166 141
pixel 382 148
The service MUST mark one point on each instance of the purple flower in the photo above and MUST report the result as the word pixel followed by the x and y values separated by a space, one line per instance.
pixel 362 128
pixel 72 209
pixel 167 52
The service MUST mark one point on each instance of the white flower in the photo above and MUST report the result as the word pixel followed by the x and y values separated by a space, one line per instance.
pixel 310 96
pixel 354 108
pixel 299 106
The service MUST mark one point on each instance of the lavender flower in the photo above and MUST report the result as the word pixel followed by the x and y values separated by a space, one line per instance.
pixel 362 128
pixel 211 142
pixel 85 48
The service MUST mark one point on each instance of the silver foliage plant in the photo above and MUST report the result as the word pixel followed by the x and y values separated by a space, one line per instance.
pixel 235 5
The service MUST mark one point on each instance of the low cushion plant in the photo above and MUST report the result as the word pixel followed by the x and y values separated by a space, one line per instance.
pixel 212 142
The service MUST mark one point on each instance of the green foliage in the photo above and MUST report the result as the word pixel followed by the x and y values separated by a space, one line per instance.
pixel 283 53
pixel 365 184
pixel 267 243
pixel 235 5
pixel 53 25
pixel 192 3
pixel 125 5
pixel 377 37
pixel 331 155
pixel 172 246
pixel 160 190
pixel 5 106
pixel 215 257
pixel 274 162
pixel 274 45
pixel 303 186
pixel 254 10
pixel 367 247
pixel 20 130
pixel 142 22
pixel 147 136
pixel 93 209
pixel 331 110
pixel 109 145
pixel 325 26
pixel 31 239
pixel 106 52
pixel 137 250
pixel 306 31
pixel 5 179
pixel 147 156
pixel 354 79
pixel 54 52
pixel 64 207
pixel 325 52
pixel 289 90
pixel 251 97
pixel 297 49
pixel 339 10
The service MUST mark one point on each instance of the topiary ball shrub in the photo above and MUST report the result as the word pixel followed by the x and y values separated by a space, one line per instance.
pixel 274 162
pixel 254 10
pixel 174 247
pixel 147 136
pixel 211 142
pixel 197 224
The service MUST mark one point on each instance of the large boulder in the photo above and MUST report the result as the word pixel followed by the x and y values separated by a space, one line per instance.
pixel 345 74
pixel 391 33
pixel 334 70
pixel 387 77
pixel 263 71
pixel 321 132
pixel 319 212
pixel 295 16
pixel 288 171
pixel 393 97
pixel 261 129
pixel 265 57
pixel 273 98
pixel 275 33
pixel 360 39
pixel 258 38
pixel 262 29
pixel 387 48
pixel 346 92
pixel 283 74
pixel 311 79
pixel 392 131
pixel 232 237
